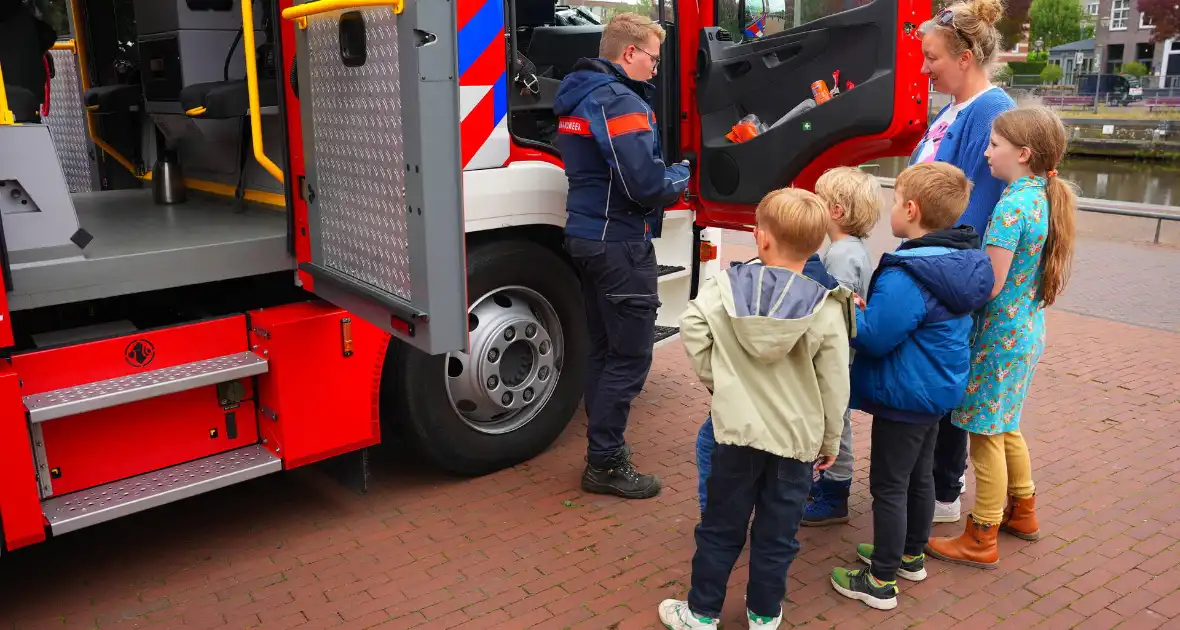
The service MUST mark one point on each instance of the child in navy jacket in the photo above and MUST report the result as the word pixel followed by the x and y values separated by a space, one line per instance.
pixel 913 357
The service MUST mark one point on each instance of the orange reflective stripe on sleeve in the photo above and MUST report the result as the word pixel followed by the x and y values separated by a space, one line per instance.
pixel 627 123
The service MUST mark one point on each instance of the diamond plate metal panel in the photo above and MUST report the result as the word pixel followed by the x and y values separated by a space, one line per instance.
pixel 74 511
pixel 359 154
pixel 67 123
pixel 59 403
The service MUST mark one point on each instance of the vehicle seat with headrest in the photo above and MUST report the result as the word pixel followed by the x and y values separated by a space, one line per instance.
pixel 25 107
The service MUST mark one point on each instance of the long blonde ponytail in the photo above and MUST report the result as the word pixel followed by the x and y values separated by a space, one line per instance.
pixel 1057 259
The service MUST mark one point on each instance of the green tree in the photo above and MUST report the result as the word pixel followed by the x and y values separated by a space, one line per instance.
pixel 1135 69
pixel 1002 75
pixel 642 7
pixel 1056 22
pixel 1051 74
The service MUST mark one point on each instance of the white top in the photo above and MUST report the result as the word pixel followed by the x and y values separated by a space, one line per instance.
pixel 935 133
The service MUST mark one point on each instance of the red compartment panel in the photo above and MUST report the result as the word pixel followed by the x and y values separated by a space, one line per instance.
pixel 320 397
pixel 67 366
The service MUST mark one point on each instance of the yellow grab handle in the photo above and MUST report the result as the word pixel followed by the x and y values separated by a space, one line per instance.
pixel 6 115
pixel 300 12
pixel 66 45
pixel 79 47
pixel 252 90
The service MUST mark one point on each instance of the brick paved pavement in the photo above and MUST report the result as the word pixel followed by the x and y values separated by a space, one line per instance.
pixel 523 548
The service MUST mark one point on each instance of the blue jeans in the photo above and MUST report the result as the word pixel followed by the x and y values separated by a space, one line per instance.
pixel 742 481
pixel 705 444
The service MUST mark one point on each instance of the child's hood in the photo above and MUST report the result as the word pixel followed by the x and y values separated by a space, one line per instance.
pixel 950 265
pixel 770 308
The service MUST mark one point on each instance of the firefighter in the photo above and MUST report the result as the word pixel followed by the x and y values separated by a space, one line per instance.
pixel 618 187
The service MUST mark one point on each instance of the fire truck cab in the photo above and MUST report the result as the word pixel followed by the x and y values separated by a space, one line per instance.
pixel 242 236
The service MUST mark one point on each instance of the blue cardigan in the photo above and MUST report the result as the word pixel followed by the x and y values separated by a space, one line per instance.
pixel 964 144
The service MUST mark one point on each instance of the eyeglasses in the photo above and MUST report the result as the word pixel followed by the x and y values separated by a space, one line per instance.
pixel 655 59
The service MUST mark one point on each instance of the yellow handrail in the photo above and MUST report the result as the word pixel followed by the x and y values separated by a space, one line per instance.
pixel 6 115
pixel 300 12
pixel 80 53
pixel 252 90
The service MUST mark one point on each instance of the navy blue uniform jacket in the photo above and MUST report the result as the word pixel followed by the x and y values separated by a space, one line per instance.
pixel 618 182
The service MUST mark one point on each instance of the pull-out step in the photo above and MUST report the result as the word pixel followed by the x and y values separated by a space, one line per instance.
pixel 103 503
pixel 665 333
pixel 70 401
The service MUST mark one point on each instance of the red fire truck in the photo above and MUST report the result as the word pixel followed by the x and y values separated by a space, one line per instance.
pixel 243 236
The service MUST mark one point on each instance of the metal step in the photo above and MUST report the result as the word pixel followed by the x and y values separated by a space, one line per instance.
pixel 70 401
pixel 103 503
pixel 664 270
pixel 663 333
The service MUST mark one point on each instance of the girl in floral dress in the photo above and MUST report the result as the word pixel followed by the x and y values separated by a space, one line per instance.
pixel 1030 242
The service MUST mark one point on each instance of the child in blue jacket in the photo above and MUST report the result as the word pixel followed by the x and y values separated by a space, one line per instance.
pixel 913 356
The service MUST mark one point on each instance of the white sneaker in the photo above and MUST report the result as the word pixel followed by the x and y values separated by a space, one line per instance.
pixel 947 512
pixel 963 484
pixel 764 623
pixel 675 615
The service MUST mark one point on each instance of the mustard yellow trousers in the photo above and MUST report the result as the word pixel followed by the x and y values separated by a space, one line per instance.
pixel 1002 469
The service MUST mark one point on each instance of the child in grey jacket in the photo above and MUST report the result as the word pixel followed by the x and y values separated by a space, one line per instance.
pixel 854 202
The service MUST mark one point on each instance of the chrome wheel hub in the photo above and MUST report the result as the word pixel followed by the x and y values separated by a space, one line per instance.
pixel 515 359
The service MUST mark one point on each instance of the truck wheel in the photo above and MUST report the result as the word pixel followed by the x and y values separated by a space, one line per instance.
pixel 517 390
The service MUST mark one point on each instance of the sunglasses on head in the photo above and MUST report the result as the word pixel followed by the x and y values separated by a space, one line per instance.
pixel 945 17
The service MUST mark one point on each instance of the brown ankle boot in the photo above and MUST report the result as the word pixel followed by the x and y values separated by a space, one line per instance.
pixel 1020 518
pixel 976 547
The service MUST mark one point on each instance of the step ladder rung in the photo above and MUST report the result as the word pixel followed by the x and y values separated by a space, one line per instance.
pixel 70 401
pixel 664 333
pixel 74 511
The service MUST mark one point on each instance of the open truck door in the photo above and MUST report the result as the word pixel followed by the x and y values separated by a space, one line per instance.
pixel 378 98
pixel 761 58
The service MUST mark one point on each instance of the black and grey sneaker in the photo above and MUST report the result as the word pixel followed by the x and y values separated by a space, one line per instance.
pixel 619 477
pixel 913 569
pixel 858 584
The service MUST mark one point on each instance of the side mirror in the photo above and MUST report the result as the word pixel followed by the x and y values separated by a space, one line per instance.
pixel 748 20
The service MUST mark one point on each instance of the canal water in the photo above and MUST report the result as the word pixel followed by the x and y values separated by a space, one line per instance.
pixel 1115 180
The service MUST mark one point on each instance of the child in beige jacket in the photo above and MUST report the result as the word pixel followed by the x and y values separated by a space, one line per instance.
pixel 772 346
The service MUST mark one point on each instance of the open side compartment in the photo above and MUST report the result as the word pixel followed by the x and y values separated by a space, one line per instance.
pixel 383 183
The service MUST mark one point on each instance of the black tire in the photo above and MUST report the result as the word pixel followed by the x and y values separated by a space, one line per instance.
pixel 417 392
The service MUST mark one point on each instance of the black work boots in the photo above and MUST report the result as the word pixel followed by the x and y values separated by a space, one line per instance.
pixel 618 476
